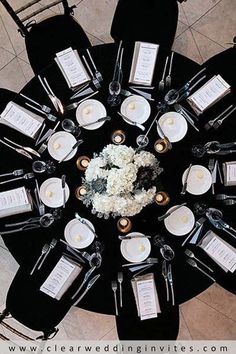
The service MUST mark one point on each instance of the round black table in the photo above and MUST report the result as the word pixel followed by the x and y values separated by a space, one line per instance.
pixel 188 282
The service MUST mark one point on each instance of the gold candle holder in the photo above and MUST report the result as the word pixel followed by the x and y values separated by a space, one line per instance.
pixel 82 162
pixel 118 137
pixel 162 198
pixel 161 146
pixel 124 224
pixel 80 192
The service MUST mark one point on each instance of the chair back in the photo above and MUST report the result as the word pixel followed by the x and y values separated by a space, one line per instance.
pixel 22 20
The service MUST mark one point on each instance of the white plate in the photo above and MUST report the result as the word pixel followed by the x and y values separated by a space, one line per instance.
pixel 90 111
pixel 60 144
pixel 136 108
pixel 180 222
pixel 51 192
pixel 77 234
pixel 173 125
pixel 199 180
pixel 135 249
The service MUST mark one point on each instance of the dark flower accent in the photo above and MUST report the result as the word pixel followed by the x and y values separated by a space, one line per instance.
pixel 99 185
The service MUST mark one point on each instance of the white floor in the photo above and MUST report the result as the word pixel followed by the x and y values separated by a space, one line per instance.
pixel 204 29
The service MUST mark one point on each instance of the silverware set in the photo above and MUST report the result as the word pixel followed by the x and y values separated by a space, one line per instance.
pixel 88 287
pixel 216 220
pixel 168 77
pixel 53 98
pixel 86 224
pixel 43 107
pixel 168 277
pixel 49 116
pixel 26 176
pixel 190 254
pixel 25 148
pixel 15 173
pixel 48 250
pixel 95 81
pixel 161 85
pixel 227 199
pixel 193 264
pixel 76 252
pixel 42 139
pixel 18 150
pixel 214 168
pixel 218 121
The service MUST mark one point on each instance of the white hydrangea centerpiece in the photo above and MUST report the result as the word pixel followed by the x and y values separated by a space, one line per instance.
pixel 120 181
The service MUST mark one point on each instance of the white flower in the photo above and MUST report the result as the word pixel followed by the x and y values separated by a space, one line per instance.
pixel 144 159
pixel 118 166
pixel 118 155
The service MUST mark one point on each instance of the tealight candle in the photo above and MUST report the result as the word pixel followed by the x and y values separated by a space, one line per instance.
pixel 162 198
pixel 82 162
pixel 118 137
pixel 80 192
pixel 124 224
pixel 161 146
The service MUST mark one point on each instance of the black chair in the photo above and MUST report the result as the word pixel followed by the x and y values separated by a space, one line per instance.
pixel 152 21
pixel 47 37
pixel 32 308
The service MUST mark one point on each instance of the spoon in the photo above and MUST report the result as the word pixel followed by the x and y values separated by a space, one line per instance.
pixel 229 202
pixel 224 196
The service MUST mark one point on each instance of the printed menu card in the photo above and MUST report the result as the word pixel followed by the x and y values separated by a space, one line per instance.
pixel 21 119
pixel 143 63
pixel 210 93
pixel 146 297
pixel 61 277
pixel 72 68
pixel 229 171
pixel 220 251
pixel 15 201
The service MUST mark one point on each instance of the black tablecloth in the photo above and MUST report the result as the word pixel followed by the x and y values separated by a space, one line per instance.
pixel 188 282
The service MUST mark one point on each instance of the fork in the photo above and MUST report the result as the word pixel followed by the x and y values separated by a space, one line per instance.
pixel 194 265
pixel 49 116
pixel 114 288
pixel 161 84
pixel 26 148
pixel 19 172
pixel 218 123
pixel 168 77
pixel 197 225
pixel 170 279
pixel 44 108
pixel 44 250
pixel 97 73
pixel 192 255
pixel 26 177
pixel 211 122
pixel 164 274
pixel 224 196
pixel 49 248
pixel 120 280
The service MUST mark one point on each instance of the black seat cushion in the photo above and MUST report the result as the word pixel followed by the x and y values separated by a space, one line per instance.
pixel 52 35
pixel 31 307
pixel 152 21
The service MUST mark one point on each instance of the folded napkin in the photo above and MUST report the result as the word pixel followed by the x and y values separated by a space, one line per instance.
pixel 61 277
pixel 21 119
pixel 210 93
pixel 72 68
pixel 146 297
pixel 15 201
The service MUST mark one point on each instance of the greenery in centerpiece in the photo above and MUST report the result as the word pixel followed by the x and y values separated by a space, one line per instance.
pixel 120 181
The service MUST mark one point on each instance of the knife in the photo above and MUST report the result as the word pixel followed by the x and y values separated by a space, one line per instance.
pixel 63 186
pixel 86 224
pixel 186 180
pixel 162 217
pixel 87 275
pixel 146 95
pixel 102 119
pixel 170 279
pixel 127 120
pixel 90 284
pixel 73 148
pixel 121 237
